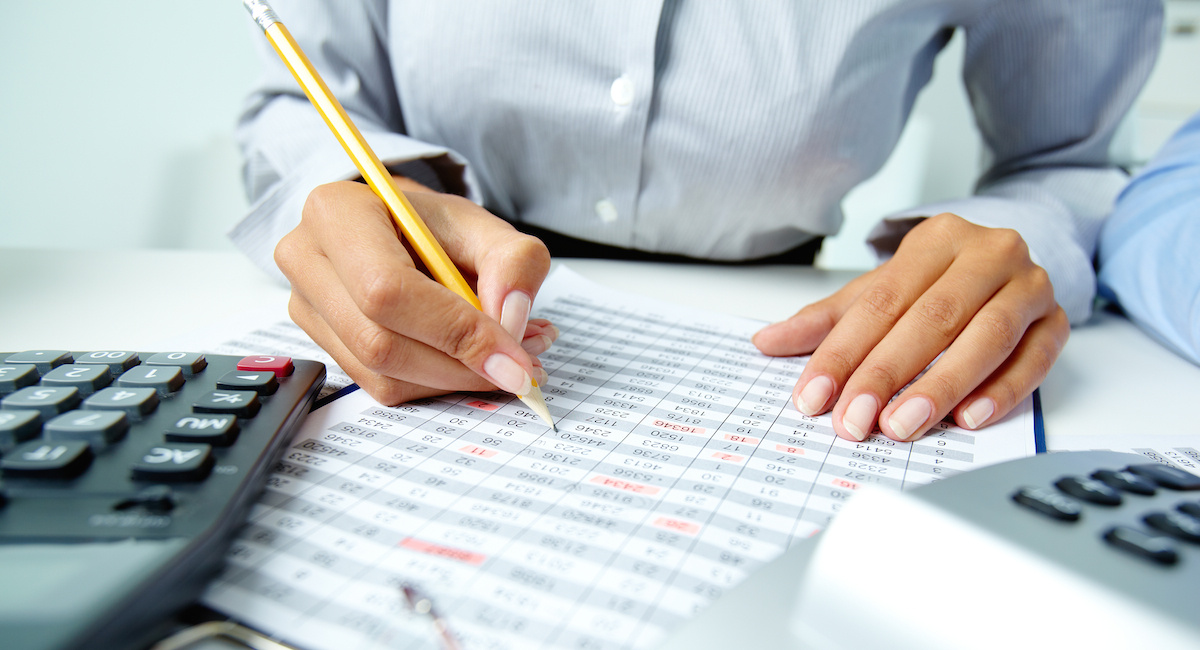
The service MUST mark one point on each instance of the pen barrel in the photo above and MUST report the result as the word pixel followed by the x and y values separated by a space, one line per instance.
pixel 427 247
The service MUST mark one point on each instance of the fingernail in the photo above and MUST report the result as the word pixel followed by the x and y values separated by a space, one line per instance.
pixel 540 375
pixel 514 313
pixel 508 375
pixel 811 399
pixel 859 419
pixel 536 345
pixel 910 416
pixel 978 412
pixel 553 333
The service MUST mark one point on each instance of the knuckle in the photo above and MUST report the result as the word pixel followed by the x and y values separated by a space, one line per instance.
pixel 320 200
pixel 378 349
pixel 882 374
pixel 838 361
pixel 1008 243
pixel 378 292
pixel 943 387
pixel 465 339
pixel 942 314
pixel 883 302
pixel 1003 330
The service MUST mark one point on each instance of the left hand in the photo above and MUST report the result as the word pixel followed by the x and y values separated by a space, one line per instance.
pixel 953 286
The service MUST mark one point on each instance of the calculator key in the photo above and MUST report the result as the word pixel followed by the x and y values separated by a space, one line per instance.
pixel 135 402
pixel 281 366
pixel 1189 508
pixel 40 459
pixel 87 378
pixel 1167 476
pixel 1126 481
pixel 47 400
pixel 215 430
pixel 190 362
pixel 242 403
pixel 14 377
pixel 1151 547
pixel 164 379
pixel 118 361
pixel 45 360
pixel 97 427
pixel 156 498
pixel 1175 524
pixel 262 382
pixel 174 462
pixel 1089 490
pixel 1049 503
pixel 17 426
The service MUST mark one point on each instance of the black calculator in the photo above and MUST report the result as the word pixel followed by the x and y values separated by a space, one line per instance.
pixel 123 476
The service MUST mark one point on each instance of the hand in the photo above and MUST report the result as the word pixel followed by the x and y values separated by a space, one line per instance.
pixel 357 291
pixel 952 286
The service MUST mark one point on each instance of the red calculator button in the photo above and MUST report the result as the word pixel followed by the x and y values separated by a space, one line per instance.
pixel 281 366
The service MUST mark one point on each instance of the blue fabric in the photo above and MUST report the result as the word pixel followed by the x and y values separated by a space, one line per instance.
pixel 1148 247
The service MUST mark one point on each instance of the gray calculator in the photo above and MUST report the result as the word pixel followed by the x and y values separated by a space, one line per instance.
pixel 123 476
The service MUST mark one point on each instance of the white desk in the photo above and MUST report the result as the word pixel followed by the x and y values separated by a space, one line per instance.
pixel 1110 378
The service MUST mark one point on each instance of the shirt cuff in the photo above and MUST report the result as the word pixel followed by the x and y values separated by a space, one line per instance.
pixel 278 211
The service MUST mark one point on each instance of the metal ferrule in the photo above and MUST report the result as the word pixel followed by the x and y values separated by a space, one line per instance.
pixel 262 13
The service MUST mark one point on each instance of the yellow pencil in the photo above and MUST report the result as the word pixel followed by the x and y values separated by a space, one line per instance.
pixel 377 176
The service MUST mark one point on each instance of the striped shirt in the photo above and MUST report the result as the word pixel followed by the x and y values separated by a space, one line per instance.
pixel 713 129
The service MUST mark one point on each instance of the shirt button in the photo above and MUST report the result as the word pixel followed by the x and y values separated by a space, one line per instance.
pixel 622 91
pixel 606 211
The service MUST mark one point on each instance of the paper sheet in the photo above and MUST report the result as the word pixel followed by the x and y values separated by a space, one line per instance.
pixel 679 467
pixel 1180 450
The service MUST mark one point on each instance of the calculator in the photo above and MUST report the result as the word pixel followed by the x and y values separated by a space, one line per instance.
pixel 1060 550
pixel 123 476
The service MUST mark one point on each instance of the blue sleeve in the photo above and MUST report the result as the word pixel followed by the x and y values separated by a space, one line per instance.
pixel 1148 248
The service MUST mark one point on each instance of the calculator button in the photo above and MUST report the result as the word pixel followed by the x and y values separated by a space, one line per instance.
pixel 190 362
pixel 262 382
pixel 17 426
pixel 215 430
pixel 97 427
pixel 39 459
pixel 1089 490
pixel 1167 476
pixel 174 462
pixel 118 361
pixel 1126 481
pixel 1049 503
pixel 1175 524
pixel 1189 508
pixel 1151 547
pixel 17 376
pixel 47 400
pixel 242 403
pixel 45 360
pixel 281 366
pixel 156 498
pixel 87 378
pixel 135 402
pixel 164 379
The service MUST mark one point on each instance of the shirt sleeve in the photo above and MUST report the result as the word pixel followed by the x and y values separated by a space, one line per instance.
pixel 1148 247
pixel 1049 83
pixel 286 146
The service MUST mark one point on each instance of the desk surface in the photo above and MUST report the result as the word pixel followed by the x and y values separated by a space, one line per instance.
pixel 1111 378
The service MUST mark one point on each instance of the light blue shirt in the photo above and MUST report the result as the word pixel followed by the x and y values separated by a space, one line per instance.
pixel 718 130
pixel 1150 248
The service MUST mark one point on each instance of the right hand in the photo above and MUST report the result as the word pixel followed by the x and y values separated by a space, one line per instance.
pixel 358 291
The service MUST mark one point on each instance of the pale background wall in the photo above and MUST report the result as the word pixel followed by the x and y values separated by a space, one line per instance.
pixel 116 121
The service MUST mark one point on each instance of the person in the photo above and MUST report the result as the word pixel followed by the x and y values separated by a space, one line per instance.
pixel 1148 245
pixel 696 130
